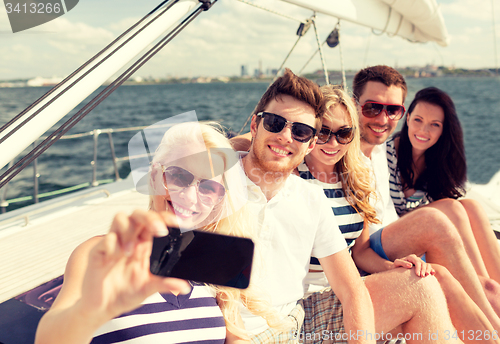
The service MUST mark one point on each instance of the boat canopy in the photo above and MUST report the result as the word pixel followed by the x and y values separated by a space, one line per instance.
pixel 416 20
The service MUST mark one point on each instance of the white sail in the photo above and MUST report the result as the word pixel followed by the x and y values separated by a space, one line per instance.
pixel 416 20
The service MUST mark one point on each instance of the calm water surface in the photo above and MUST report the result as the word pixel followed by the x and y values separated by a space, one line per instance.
pixel 67 163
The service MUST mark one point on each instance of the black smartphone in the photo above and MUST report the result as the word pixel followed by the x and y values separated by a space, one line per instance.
pixel 203 257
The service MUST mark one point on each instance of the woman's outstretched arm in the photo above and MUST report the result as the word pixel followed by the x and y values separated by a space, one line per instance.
pixel 105 277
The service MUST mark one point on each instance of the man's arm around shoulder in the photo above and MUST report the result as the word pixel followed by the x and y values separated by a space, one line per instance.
pixel 242 143
pixel 346 283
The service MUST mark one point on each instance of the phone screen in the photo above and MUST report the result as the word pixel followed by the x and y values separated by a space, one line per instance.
pixel 203 257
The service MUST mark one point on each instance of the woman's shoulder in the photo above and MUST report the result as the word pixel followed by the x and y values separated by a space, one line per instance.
pixel 305 173
pixel 392 143
pixel 391 150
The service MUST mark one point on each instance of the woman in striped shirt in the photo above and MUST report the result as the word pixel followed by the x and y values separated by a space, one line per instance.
pixel 336 164
pixel 427 167
pixel 109 294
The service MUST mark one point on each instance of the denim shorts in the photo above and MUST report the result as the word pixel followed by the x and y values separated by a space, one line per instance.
pixel 376 244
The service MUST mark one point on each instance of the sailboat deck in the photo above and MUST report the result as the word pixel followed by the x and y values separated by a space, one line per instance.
pixel 36 253
pixel 488 197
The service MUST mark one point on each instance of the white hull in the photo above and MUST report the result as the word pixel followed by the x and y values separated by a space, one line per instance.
pixel 489 196
pixel 35 253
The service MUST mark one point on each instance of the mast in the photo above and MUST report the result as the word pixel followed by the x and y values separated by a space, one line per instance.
pixel 14 139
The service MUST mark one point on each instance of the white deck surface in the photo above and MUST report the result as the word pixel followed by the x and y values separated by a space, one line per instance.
pixel 33 254
pixel 488 195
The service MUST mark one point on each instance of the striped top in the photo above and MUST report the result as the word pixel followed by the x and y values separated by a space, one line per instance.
pixel 349 220
pixel 402 204
pixel 168 319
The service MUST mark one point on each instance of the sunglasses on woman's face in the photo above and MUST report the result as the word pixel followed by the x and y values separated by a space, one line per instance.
pixel 373 109
pixel 275 123
pixel 177 179
pixel 343 135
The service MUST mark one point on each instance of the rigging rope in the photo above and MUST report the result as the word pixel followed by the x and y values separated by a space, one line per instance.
pixel 386 24
pixel 304 26
pixel 244 125
pixel 312 56
pixel 327 78
pixel 270 10
pixel 344 82
pixel 52 138
pixel 80 69
pixel 397 29
pixel 286 58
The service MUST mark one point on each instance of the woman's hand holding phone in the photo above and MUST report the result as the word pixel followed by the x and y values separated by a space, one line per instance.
pixel 118 277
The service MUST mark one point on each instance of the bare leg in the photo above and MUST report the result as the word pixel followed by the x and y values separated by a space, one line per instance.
pixel 492 290
pixel 485 238
pixel 465 314
pixel 429 231
pixel 481 245
pixel 455 211
pixel 400 297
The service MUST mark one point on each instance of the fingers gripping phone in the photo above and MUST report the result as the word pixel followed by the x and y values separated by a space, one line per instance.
pixel 203 257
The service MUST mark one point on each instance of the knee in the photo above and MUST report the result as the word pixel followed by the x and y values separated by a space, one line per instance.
pixel 470 205
pixel 441 272
pixel 445 278
pixel 431 288
pixel 454 209
pixel 490 286
pixel 439 229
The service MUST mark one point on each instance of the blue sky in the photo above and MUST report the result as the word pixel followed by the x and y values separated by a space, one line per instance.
pixel 232 34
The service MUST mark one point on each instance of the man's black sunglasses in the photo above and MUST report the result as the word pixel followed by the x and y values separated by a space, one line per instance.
pixel 275 123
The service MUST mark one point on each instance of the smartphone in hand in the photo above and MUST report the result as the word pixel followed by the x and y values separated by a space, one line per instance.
pixel 203 257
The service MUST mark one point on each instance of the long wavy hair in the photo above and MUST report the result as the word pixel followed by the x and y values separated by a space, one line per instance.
pixel 229 217
pixel 355 175
pixel 445 170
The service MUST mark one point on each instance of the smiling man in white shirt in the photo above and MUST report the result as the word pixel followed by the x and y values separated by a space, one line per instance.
pixel 295 220
pixel 380 92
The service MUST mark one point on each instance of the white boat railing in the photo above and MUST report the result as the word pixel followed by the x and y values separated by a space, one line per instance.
pixel 4 203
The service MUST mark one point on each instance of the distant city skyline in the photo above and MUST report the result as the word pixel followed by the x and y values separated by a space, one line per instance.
pixel 219 42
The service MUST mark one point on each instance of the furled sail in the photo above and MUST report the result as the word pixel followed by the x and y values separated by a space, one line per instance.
pixel 416 20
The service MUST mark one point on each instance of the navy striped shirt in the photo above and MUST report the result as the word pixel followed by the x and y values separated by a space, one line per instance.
pixel 401 203
pixel 166 318
pixel 349 220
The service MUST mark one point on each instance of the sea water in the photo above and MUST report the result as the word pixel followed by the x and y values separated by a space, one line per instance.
pixel 68 163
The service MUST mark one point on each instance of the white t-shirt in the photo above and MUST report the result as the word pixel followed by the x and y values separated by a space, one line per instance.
pixel 294 225
pixel 383 205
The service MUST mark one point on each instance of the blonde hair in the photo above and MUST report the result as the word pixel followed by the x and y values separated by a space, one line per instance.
pixel 355 175
pixel 229 217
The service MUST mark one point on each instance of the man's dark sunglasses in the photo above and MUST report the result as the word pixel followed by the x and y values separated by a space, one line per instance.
pixel 343 135
pixel 373 109
pixel 275 123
